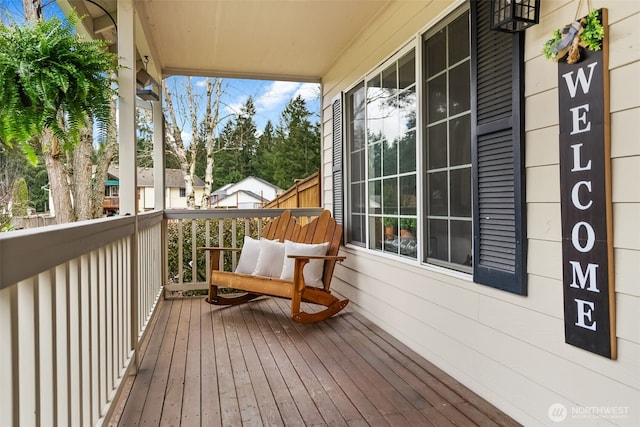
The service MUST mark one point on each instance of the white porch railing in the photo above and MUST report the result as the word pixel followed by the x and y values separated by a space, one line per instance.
pixel 74 302
pixel 187 267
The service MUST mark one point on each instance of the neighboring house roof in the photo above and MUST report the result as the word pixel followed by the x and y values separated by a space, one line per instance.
pixel 223 189
pixel 240 197
pixel 241 183
pixel 172 177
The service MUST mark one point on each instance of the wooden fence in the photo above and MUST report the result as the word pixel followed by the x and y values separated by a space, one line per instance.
pixel 304 194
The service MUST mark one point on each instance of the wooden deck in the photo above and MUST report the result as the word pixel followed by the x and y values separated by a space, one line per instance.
pixel 251 365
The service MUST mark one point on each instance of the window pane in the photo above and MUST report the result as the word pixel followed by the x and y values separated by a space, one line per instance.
pixel 375 96
pixel 376 233
pixel 356 114
pixel 389 79
pixel 460 140
pixel 437 99
pixel 407 152
pixel 356 229
pixel 357 198
pixel 408 195
pixel 390 196
pixel 437 146
pixel 407 70
pixel 375 198
pixel 459 39
pixel 375 160
pixel 390 156
pixel 461 192
pixel 356 165
pixel 438 193
pixel 435 53
pixel 459 89
pixel 438 238
pixel 461 242
pixel 407 109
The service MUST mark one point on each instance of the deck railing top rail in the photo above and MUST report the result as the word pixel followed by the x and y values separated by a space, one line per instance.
pixel 26 253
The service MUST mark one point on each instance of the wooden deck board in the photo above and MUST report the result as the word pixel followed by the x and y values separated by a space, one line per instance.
pixel 252 365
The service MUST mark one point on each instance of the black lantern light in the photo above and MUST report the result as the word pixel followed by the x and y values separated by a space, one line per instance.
pixel 512 16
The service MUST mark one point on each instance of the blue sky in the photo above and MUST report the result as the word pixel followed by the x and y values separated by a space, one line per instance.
pixel 270 97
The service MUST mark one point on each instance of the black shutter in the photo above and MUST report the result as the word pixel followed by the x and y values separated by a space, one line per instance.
pixel 499 211
pixel 338 190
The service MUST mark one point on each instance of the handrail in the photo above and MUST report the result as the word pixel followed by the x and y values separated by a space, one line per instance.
pixel 26 253
pixel 237 213
pixel 75 303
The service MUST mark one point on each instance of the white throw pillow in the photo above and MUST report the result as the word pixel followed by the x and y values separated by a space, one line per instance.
pixel 313 270
pixel 270 260
pixel 249 255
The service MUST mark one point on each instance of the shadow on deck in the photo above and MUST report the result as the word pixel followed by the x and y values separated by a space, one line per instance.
pixel 251 365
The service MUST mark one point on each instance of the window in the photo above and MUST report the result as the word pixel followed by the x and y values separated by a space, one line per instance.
pixel 356 143
pixel 440 181
pixel 391 108
pixel 447 145
pixel 183 192
pixel 381 149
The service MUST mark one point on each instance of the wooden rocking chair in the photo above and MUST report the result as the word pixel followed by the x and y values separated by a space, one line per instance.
pixel 322 229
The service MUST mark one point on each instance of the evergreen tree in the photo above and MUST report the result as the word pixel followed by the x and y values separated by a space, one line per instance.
pixel 296 152
pixel 265 159
pixel 20 199
pixel 144 143
pixel 236 156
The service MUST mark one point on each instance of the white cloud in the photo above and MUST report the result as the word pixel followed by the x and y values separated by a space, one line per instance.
pixel 186 137
pixel 277 94
pixel 308 91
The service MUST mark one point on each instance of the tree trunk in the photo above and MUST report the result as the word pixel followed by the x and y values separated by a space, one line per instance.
pixel 102 166
pixel 81 176
pixel 32 9
pixel 189 180
pixel 58 183
pixel 177 147
pixel 212 122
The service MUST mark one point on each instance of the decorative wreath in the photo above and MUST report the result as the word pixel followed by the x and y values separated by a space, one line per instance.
pixel 587 32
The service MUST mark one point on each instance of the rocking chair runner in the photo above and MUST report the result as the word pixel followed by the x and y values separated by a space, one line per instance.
pixel 322 229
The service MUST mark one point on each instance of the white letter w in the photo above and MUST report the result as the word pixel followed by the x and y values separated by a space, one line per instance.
pixel 582 80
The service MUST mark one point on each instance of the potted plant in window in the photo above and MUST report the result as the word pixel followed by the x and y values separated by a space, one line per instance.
pixel 390 224
pixel 407 227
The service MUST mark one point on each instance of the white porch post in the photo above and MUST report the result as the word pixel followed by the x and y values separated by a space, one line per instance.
pixel 127 107
pixel 158 154
pixel 127 141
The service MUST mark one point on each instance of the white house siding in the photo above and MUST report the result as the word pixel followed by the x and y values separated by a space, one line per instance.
pixel 174 201
pixel 510 349
pixel 147 199
pixel 256 186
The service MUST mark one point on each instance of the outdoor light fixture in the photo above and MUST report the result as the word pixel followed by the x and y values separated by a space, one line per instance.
pixel 512 16
pixel 148 89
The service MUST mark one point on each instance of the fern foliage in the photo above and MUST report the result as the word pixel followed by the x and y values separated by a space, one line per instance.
pixel 51 78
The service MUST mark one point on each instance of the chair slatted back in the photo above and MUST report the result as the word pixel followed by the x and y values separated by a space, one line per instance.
pixel 322 229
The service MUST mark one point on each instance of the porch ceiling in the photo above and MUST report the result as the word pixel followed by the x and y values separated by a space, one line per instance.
pixel 265 39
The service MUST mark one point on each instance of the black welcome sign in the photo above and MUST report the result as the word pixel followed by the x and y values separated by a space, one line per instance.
pixel 585 186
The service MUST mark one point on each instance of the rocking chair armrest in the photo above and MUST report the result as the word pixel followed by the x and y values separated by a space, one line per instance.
pixel 207 248
pixel 325 257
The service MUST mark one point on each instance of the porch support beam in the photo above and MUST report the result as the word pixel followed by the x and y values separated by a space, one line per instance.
pixel 127 107
pixel 158 155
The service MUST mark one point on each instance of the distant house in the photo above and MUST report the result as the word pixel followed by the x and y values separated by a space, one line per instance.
pixel 175 191
pixel 251 192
